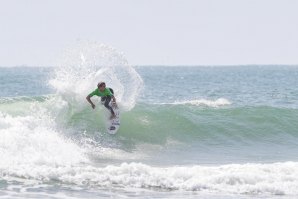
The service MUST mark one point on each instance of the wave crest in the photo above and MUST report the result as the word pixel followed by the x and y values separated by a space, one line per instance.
pixel 199 102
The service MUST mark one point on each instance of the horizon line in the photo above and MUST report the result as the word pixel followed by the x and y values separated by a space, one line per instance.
pixel 163 65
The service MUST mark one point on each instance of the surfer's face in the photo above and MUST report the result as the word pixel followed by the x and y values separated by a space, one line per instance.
pixel 102 87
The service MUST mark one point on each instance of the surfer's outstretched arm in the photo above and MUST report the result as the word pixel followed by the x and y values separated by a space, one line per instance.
pixel 88 98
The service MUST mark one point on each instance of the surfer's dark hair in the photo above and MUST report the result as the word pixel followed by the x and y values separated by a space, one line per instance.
pixel 100 84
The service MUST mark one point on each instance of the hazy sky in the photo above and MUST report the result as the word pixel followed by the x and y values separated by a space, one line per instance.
pixel 148 32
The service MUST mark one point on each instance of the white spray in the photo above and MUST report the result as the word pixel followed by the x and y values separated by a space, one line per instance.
pixel 87 63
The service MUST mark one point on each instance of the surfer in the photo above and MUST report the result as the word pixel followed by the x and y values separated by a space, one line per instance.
pixel 106 94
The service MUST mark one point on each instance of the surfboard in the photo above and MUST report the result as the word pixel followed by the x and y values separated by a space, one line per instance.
pixel 114 124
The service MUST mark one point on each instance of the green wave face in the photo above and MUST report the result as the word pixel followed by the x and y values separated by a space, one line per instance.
pixel 153 123
pixel 156 131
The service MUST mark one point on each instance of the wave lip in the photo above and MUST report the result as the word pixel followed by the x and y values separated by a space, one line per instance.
pixel 199 102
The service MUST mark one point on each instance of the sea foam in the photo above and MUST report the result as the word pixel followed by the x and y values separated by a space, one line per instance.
pixel 204 102
pixel 33 139
pixel 248 179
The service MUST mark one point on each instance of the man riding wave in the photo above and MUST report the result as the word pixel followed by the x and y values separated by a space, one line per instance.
pixel 106 94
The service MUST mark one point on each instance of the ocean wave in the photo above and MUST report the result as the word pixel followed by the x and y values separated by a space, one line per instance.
pixel 29 136
pixel 155 123
pixel 248 179
pixel 35 146
pixel 199 102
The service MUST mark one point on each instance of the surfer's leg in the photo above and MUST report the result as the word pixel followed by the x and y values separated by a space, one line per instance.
pixel 108 99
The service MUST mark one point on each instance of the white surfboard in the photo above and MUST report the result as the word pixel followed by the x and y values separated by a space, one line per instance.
pixel 114 124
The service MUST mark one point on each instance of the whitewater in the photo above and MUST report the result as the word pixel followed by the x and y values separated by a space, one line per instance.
pixel 186 132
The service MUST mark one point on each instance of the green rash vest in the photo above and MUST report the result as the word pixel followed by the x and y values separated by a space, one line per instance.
pixel 105 93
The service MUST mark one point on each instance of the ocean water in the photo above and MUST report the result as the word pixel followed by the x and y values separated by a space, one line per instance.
pixel 186 132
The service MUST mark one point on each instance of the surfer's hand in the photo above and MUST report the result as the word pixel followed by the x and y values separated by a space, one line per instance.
pixel 93 106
